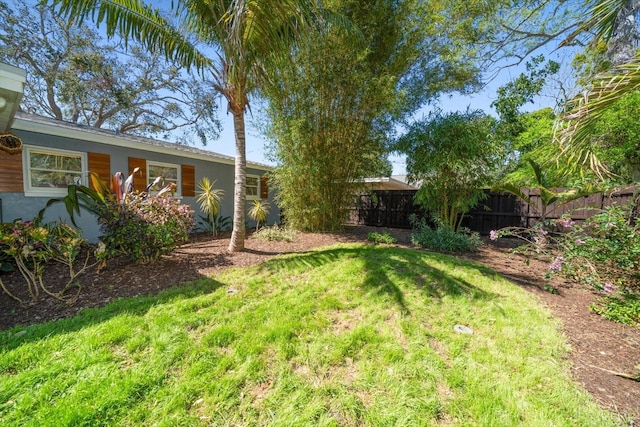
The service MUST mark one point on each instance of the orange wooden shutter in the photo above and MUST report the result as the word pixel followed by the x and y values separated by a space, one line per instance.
pixel 188 180
pixel 11 178
pixel 140 179
pixel 100 164
pixel 264 188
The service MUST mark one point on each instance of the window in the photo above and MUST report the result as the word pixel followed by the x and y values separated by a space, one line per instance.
pixel 169 173
pixel 253 187
pixel 48 171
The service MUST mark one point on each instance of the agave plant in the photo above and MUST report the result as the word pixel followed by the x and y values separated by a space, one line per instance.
pixel 209 199
pixel 259 212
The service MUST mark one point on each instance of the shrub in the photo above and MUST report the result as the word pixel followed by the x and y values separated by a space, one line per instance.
pixel 215 224
pixel 32 246
pixel 603 252
pixel 144 227
pixel 276 234
pixel 444 238
pixel 381 238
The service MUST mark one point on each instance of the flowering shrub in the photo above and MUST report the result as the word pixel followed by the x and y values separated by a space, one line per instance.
pixel 144 227
pixel 603 252
pixel 32 245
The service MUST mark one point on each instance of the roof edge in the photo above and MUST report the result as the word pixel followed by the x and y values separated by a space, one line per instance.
pixel 45 125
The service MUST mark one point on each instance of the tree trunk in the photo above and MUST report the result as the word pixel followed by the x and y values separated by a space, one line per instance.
pixel 239 193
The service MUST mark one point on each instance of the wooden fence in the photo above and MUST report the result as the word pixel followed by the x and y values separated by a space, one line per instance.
pixel 393 209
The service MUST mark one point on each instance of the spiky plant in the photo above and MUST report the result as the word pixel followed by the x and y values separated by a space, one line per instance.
pixel 259 212
pixel 209 199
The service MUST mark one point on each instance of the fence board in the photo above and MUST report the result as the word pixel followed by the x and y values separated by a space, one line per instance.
pixel 392 208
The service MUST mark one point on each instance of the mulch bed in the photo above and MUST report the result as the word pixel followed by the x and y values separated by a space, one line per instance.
pixel 599 348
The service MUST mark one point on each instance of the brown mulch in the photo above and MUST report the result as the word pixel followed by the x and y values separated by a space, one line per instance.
pixel 599 348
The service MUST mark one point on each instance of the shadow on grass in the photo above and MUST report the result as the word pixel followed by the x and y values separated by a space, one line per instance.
pixel 385 267
pixel 388 271
pixel 93 316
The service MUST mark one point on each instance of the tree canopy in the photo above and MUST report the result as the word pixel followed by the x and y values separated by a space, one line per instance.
pixel 453 156
pixel 76 76
pixel 340 96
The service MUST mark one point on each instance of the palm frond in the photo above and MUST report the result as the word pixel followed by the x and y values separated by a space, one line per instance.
pixel 537 171
pixel 600 21
pixel 511 188
pixel 575 129
pixel 139 21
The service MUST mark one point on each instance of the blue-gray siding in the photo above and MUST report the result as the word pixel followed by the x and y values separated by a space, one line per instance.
pixel 17 205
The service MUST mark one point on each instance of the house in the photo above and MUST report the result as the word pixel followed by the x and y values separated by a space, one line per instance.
pixel 394 182
pixel 55 154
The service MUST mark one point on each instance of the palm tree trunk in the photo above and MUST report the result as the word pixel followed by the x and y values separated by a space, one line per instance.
pixel 240 192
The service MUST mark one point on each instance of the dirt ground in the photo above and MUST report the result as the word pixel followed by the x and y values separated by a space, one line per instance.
pixel 599 348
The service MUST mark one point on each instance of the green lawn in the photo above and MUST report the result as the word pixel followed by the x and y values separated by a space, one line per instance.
pixel 349 335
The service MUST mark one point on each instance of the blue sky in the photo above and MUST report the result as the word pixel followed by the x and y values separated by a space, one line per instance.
pixel 482 100
pixel 256 143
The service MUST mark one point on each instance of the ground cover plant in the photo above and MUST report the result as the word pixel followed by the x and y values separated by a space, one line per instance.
pixel 443 238
pixel 345 335
pixel 276 233
pixel 384 237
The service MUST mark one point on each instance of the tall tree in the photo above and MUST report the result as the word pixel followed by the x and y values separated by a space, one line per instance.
pixel 337 103
pixel 242 38
pixel 76 76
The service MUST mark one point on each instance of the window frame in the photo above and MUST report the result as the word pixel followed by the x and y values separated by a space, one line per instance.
pixel 150 178
pixel 257 186
pixel 50 191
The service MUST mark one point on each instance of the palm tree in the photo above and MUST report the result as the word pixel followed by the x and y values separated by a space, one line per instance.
pixel 245 36
pixel 611 21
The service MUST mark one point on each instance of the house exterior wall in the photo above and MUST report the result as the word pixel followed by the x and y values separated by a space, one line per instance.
pixel 18 205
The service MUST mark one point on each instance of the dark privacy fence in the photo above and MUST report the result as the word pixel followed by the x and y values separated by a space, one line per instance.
pixel 393 209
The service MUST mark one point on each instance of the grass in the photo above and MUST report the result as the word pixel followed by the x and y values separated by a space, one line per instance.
pixel 345 336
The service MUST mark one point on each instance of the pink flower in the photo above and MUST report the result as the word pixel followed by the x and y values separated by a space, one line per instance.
pixel 579 241
pixel 566 223
pixel 556 265
pixel 608 287
pixel 493 235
